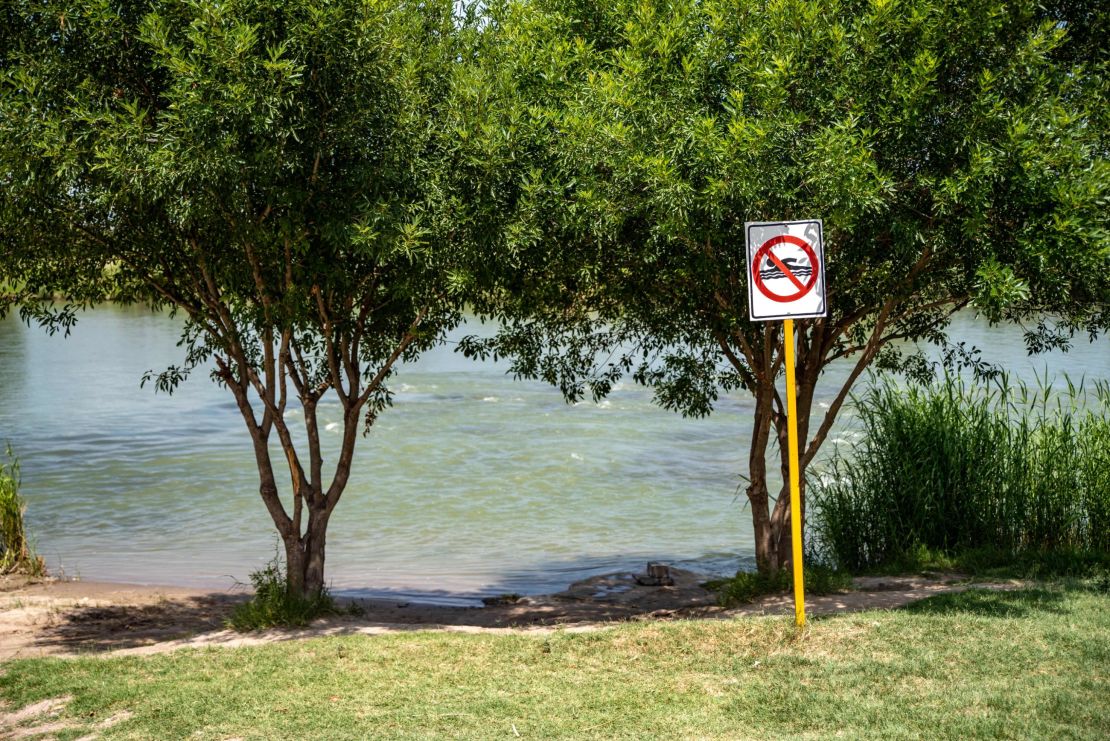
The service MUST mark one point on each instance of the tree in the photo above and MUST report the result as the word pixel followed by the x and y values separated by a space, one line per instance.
pixel 289 175
pixel 957 153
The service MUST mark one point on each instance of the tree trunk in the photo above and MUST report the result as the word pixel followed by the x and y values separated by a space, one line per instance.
pixel 773 534
pixel 783 531
pixel 294 566
pixel 315 540
pixel 766 556
pixel 304 557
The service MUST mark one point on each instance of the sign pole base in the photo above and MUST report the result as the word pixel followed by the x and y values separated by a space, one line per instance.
pixel 795 487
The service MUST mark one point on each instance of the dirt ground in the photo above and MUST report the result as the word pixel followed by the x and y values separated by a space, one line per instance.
pixel 67 618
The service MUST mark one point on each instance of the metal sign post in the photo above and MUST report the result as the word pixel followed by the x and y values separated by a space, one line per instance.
pixel 795 487
pixel 786 261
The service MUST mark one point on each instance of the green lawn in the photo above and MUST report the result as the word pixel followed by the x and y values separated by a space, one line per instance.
pixel 1029 664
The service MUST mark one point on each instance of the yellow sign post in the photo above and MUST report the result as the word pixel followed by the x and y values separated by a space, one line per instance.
pixel 795 483
pixel 786 280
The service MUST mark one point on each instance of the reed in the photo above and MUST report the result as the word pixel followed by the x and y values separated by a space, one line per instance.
pixel 954 467
pixel 16 554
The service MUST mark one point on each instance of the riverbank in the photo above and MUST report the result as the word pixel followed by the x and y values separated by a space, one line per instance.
pixel 67 618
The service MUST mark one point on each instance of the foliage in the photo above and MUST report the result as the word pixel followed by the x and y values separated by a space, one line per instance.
pixel 274 605
pixel 980 664
pixel 957 153
pixel 290 176
pixel 954 468
pixel 746 586
pixel 16 554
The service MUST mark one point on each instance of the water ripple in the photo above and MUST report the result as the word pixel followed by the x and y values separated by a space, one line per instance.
pixel 472 485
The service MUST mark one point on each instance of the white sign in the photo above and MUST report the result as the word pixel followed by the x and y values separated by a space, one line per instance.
pixel 786 269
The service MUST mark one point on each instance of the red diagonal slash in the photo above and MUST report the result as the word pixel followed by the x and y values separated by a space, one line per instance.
pixel 786 270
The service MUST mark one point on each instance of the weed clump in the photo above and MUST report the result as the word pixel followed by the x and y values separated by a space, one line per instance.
pixel 273 605
pixel 16 554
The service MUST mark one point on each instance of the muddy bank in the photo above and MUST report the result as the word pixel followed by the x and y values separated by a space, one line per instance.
pixel 39 618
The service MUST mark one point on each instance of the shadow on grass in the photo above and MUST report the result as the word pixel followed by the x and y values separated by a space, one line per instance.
pixel 80 629
pixel 993 603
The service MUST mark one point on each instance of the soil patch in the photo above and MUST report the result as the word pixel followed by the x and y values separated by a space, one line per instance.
pixel 40 719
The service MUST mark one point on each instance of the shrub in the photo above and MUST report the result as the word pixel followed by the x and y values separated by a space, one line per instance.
pixel 273 605
pixel 958 469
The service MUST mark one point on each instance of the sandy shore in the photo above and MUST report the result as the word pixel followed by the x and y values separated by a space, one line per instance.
pixel 66 618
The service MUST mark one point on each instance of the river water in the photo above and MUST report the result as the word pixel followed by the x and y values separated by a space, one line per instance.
pixel 473 484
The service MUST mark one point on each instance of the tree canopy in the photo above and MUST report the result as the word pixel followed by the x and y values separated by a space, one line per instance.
pixel 322 188
pixel 289 175
pixel 957 153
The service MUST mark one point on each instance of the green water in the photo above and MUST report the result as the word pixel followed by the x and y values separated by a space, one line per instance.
pixel 473 484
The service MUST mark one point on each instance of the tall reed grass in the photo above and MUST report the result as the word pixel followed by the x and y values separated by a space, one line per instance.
pixel 953 467
pixel 16 554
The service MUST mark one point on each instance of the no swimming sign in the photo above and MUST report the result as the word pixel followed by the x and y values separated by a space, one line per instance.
pixel 786 280
pixel 786 269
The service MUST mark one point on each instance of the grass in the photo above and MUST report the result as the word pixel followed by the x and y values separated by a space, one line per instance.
pixel 951 468
pixel 16 553
pixel 1028 664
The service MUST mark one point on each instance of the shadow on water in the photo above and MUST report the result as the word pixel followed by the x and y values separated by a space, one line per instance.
pixel 994 603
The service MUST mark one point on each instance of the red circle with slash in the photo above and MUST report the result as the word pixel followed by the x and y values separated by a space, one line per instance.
pixel 766 251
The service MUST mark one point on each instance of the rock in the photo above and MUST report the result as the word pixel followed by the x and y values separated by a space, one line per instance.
pixel 658 575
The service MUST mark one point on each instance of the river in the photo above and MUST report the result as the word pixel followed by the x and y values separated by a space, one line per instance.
pixel 473 484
